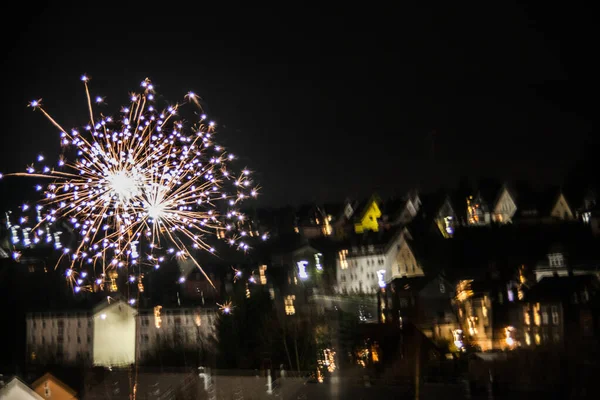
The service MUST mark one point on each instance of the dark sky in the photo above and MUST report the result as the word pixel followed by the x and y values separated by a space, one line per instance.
pixel 323 103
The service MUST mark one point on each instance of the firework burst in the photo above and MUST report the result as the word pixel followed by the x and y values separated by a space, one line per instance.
pixel 140 187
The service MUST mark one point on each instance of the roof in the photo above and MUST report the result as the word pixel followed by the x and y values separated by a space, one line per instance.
pixel 381 239
pixel 561 288
pixel 15 384
pixel 415 284
pixel 363 206
pixel 104 305
pixel 49 376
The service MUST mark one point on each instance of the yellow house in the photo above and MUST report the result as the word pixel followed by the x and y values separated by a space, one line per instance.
pixel 51 388
pixel 368 220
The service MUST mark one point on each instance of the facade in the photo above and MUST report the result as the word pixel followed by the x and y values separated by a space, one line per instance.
pixel 424 302
pixel 186 328
pixel 114 334
pixel 561 209
pixel 562 312
pixel 63 337
pixel 446 219
pixel 478 212
pixel 366 266
pixel 505 207
pixel 51 388
pixel 556 264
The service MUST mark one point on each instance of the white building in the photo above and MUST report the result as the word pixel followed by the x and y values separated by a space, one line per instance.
pixel 366 268
pixel 187 328
pixel 556 265
pixel 115 334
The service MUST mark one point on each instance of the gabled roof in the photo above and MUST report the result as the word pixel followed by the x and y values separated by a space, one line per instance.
pixel 381 239
pixel 111 303
pixel 538 203
pixel 17 384
pixel 58 382
pixel 363 206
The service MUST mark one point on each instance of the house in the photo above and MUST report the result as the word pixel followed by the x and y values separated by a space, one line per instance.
pixel 478 212
pixel 548 206
pixel 366 262
pixel 562 311
pixel 114 334
pixel 16 389
pixel 505 206
pixel 426 302
pixel 404 210
pixel 50 387
pixel 439 208
pixel 368 219
pixel 561 208
pixel 488 312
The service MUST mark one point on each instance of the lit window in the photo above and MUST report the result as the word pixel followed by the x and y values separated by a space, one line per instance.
pixel 263 277
pixel 342 256
pixel 554 315
pixel 289 305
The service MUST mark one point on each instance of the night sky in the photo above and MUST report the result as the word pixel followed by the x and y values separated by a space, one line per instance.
pixel 322 103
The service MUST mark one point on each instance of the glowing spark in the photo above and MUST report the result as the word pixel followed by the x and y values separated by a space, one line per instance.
pixel 226 308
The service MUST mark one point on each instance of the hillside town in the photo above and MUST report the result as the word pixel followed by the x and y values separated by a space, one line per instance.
pixel 474 291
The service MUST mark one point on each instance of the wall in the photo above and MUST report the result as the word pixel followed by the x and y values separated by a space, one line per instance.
pixel 114 336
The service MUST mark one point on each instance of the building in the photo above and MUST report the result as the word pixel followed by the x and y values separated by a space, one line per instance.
pixel 114 327
pixel 16 389
pixel 114 334
pixel 51 388
pixel 425 302
pixel 562 311
pixel 173 328
pixel 505 207
pixel 368 261
pixel 368 219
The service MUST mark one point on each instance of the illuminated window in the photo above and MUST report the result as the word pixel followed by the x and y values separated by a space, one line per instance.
pixel 289 305
pixel 536 314
pixel 538 339
pixel 263 277
pixel 544 315
pixel 343 262
pixel 528 338
pixel 157 316
pixel 554 310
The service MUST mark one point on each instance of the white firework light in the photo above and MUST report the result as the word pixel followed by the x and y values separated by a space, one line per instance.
pixel 142 187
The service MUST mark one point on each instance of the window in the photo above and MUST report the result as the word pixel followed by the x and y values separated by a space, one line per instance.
pixel 145 338
pixel 78 339
pixel 290 309
pixel 89 339
pixel 442 288
pixel 403 303
pixel 263 278
pixel 78 323
pixel 544 315
pixel 555 316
